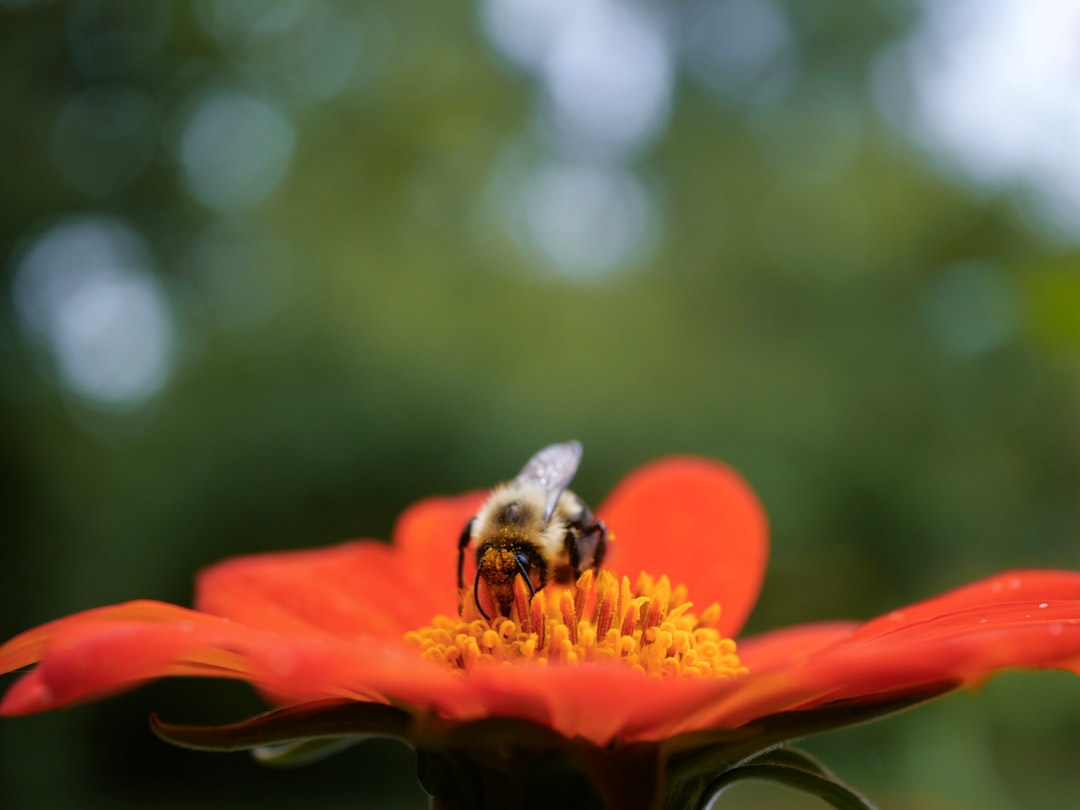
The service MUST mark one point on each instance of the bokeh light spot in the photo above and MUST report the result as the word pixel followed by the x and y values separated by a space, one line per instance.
pixel 990 88
pixel 310 48
pixel 234 150
pixel 525 30
pixel 609 79
pixel 85 293
pixel 973 308
pixel 584 221
pixel 742 49
pixel 605 68
pixel 325 52
pixel 242 23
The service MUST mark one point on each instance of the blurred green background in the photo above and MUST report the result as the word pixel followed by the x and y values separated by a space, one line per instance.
pixel 274 270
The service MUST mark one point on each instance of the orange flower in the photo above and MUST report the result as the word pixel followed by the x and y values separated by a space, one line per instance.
pixel 344 639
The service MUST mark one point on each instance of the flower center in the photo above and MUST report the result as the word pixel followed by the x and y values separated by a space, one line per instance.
pixel 649 627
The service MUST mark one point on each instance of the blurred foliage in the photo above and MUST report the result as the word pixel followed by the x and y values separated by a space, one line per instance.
pixel 890 356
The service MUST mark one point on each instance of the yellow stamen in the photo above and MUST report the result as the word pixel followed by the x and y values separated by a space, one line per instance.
pixel 649 627
pixel 569 618
pixel 585 585
pixel 521 604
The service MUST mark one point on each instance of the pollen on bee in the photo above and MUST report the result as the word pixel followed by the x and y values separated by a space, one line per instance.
pixel 648 626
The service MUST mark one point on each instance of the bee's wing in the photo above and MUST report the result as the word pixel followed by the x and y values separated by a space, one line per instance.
pixel 552 469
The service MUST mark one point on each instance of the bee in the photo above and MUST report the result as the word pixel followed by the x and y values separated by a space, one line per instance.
pixel 532 526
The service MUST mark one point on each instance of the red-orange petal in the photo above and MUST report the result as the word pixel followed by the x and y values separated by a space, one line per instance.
pixel 789 645
pixel 1010 586
pixel 95 654
pixel 426 536
pixel 696 521
pixel 905 650
pixel 27 648
pixel 598 702
pixel 854 671
pixel 357 588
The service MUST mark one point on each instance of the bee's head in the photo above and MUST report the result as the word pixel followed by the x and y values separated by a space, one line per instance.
pixel 498 565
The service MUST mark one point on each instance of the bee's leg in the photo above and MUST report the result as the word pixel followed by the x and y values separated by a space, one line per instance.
pixel 476 596
pixel 573 551
pixel 600 533
pixel 565 571
pixel 586 542
pixel 463 542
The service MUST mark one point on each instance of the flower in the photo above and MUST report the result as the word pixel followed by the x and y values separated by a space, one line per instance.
pixel 344 640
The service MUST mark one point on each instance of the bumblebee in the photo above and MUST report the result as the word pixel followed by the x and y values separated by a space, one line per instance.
pixel 533 527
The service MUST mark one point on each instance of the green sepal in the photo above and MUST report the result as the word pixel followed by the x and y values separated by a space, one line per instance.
pixel 325 721
pixel 303 752
pixel 795 769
